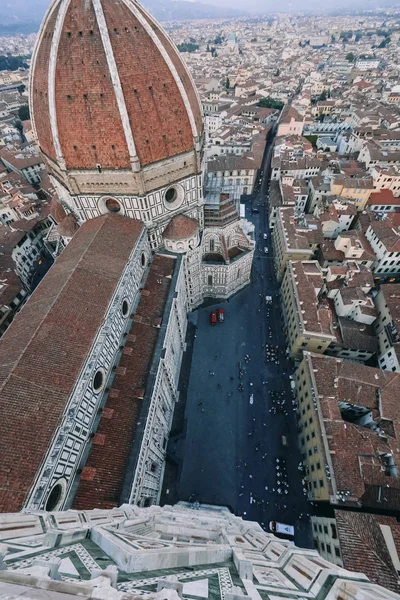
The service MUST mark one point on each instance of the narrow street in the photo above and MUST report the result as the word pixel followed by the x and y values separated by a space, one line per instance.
pixel 238 445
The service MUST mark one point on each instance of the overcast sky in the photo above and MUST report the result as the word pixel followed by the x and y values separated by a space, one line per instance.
pixel 34 9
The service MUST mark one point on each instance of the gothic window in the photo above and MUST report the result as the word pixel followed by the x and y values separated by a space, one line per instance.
pixel 212 245
pixel 143 259
pixel 210 280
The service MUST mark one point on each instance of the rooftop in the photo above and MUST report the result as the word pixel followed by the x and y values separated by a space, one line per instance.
pixel 360 423
pixel 44 349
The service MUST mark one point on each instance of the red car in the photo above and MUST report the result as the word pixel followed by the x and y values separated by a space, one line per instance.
pixel 221 315
pixel 213 317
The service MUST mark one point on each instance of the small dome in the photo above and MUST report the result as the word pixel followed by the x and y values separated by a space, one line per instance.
pixel 68 226
pixel 57 210
pixel 180 227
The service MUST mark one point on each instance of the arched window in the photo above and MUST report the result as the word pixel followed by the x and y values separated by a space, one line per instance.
pixel 210 280
pixel 212 245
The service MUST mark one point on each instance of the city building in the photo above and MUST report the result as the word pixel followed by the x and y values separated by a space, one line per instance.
pixel 307 316
pixel 384 238
pixel 290 121
pixel 361 542
pixel 347 423
pixel 387 326
pixel 294 238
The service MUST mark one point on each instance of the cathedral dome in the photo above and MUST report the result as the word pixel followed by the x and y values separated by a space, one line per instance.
pixel 109 89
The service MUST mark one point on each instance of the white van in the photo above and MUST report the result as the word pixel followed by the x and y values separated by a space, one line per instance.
pixel 277 527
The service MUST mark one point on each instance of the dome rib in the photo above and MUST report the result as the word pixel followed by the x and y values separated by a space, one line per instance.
pixel 131 6
pixel 183 72
pixel 101 21
pixel 64 4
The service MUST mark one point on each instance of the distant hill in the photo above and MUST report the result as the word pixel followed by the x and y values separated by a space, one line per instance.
pixel 13 16
pixel 179 10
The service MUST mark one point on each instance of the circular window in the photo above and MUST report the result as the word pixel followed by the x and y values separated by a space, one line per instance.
pixel 98 380
pixel 143 259
pixel 125 308
pixel 174 197
pixel 113 205
pixel 55 497
pixel 171 195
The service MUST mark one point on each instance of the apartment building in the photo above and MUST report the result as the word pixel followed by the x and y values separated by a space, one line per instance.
pixel 384 238
pixel 290 121
pixel 361 542
pixel 307 317
pixel 353 188
pixel 348 425
pixel 387 326
pixel 294 238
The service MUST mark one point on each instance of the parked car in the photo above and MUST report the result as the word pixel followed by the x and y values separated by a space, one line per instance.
pixel 266 250
pixel 277 527
pixel 221 315
pixel 213 317
pixel 265 236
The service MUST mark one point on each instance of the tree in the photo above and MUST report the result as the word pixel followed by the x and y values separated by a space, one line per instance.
pixel 187 47
pixel 18 125
pixel 253 40
pixel 23 112
pixel 227 83
pixel 322 97
pixel 270 103
pixel 384 43
pixel 12 63
pixel 350 57
pixel 21 88
pixel 312 139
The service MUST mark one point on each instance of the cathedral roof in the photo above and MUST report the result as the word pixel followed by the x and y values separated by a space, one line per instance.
pixel 109 87
pixel 119 425
pixel 180 227
pixel 43 351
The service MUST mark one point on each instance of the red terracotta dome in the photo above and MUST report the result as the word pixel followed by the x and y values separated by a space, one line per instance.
pixel 68 226
pixel 109 88
pixel 57 210
pixel 180 227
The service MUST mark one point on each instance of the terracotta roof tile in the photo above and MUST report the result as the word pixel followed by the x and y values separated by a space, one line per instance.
pixel 109 459
pixel 180 227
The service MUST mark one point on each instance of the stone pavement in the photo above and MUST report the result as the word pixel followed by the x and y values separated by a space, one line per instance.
pixel 230 451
